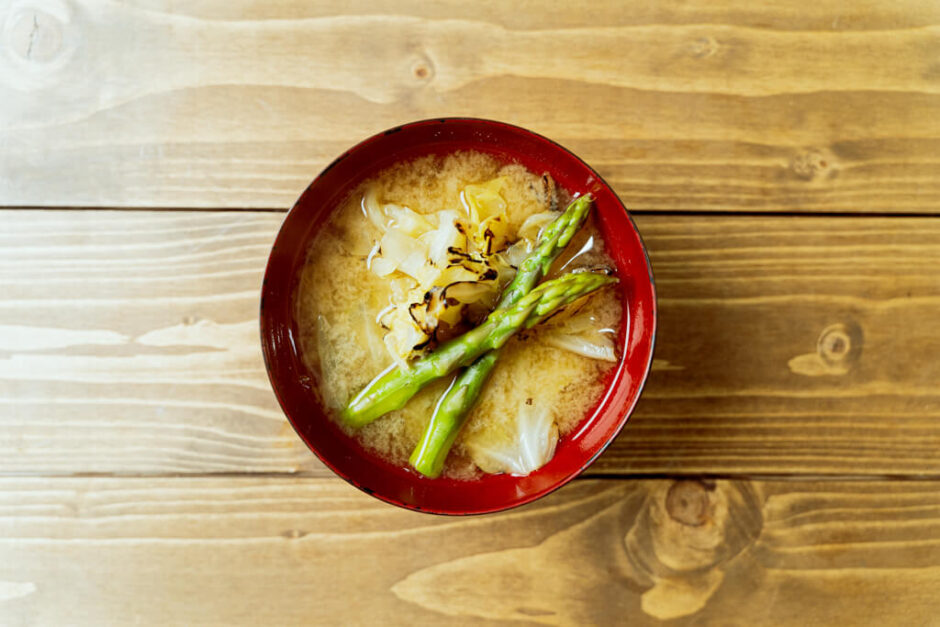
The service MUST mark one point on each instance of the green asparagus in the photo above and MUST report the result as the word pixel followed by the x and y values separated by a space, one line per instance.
pixel 451 411
pixel 395 387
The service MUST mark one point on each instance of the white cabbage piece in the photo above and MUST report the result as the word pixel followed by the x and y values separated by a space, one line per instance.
pixel 403 335
pixel 400 288
pixel 529 234
pixel 373 210
pixel 492 234
pixel 516 254
pixel 377 264
pixel 406 221
pixel 505 271
pixel 595 346
pixel 445 236
pixel 528 446
pixel 486 211
pixel 397 246
pixel 404 253
pixel 423 255
pixel 582 334
pixel 484 200
pixel 370 332
pixel 532 227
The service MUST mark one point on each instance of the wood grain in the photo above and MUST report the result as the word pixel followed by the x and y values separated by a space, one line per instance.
pixel 739 107
pixel 799 346
pixel 128 344
pixel 292 551
pixel 529 15
pixel 146 322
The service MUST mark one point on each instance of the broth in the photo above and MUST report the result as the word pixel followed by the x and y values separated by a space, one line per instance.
pixel 339 303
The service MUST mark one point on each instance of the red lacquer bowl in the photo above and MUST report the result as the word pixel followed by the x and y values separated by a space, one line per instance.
pixel 293 383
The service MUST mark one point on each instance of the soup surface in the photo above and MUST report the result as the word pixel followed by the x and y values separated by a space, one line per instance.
pixel 539 387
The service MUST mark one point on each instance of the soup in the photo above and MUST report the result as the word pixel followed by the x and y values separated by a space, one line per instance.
pixel 417 256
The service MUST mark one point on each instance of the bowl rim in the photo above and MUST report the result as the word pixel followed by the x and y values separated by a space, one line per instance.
pixel 268 352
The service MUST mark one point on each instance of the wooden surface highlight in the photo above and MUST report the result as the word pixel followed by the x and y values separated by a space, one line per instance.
pixel 292 551
pixel 691 107
pixel 129 345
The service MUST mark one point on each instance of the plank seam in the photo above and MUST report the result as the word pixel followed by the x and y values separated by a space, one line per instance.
pixel 700 213
pixel 821 477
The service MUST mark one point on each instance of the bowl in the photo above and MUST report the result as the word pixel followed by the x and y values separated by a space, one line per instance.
pixel 294 385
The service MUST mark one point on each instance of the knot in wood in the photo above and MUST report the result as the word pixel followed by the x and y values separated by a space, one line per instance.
pixel 294 534
pixel 33 35
pixel 422 69
pixel 839 343
pixel 811 164
pixel 703 47
pixel 687 502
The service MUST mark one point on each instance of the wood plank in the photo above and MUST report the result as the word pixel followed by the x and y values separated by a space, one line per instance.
pixel 528 15
pixel 128 344
pixel 697 106
pixel 239 550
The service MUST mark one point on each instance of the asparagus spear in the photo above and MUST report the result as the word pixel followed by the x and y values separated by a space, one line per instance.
pixel 395 387
pixel 451 411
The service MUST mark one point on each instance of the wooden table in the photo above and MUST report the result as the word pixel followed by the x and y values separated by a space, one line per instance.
pixel 781 162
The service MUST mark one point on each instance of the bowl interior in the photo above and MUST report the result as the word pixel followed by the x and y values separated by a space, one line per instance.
pixel 294 384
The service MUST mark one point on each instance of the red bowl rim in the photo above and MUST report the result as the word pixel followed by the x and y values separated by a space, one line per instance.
pixel 269 353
